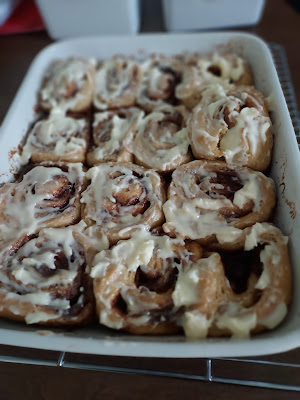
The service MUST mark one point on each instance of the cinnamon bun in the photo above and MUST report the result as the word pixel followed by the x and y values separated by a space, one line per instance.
pixel 57 138
pixel 161 141
pixel 117 82
pixel 161 75
pixel 209 201
pixel 68 84
pixel 232 124
pixel 113 133
pixel 199 71
pixel 43 280
pixel 238 293
pixel 122 196
pixel 134 281
pixel 46 196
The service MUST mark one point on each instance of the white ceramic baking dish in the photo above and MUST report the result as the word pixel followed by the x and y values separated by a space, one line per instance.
pixel 285 171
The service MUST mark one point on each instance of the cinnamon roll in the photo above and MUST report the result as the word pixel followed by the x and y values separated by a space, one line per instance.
pixel 122 196
pixel 43 280
pixel 232 124
pixel 238 293
pixel 161 75
pixel 68 84
pixel 209 201
pixel 134 281
pixel 57 138
pixel 220 68
pixel 113 133
pixel 45 196
pixel 161 141
pixel 117 82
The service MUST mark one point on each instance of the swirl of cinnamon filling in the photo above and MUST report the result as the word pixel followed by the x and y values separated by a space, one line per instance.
pixel 68 84
pixel 161 142
pixel 199 71
pixel 232 124
pixel 117 82
pixel 122 196
pixel 113 133
pixel 209 201
pixel 46 196
pixel 134 282
pixel 43 280
pixel 161 75
pixel 238 293
pixel 56 138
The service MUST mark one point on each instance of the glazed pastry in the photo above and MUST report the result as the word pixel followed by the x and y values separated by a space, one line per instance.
pixel 220 68
pixel 134 280
pixel 209 201
pixel 122 196
pixel 117 82
pixel 113 133
pixel 46 196
pixel 43 280
pixel 161 75
pixel 57 138
pixel 68 84
pixel 161 141
pixel 237 294
pixel 234 125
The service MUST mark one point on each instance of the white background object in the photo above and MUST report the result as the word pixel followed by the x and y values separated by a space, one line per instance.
pixel 185 15
pixel 285 163
pixel 6 9
pixel 69 18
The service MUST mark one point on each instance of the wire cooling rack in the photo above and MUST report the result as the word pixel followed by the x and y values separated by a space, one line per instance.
pixel 272 372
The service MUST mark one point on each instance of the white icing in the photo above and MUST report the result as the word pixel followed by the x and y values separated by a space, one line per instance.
pixel 237 320
pixel 249 130
pixel 275 317
pixel 105 319
pixel 196 325
pixel 231 67
pixel 40 316
pixel 117 133
pixel 186 289
pixel 250 191
pixel 135 252
pixel 228 235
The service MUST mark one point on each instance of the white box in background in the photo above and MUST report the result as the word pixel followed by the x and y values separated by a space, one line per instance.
pixel 285 171
pixel 186 15
pixel 69 18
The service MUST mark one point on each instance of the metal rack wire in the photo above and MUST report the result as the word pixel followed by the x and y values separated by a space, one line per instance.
pixel 212 371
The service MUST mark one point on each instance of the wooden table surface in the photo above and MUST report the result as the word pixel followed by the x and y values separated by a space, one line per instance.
pixel 280 24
